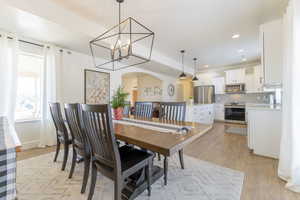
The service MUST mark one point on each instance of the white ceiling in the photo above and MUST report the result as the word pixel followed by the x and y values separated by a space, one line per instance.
pixel 202 27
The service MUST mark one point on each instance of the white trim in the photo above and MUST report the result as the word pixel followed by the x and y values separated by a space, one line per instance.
pixel 27 121
pixel 30 145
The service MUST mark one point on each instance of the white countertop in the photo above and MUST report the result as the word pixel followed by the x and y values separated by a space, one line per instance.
pixel 271 107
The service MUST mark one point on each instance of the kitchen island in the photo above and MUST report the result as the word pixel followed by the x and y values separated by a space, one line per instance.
pixel 200 113
pixel 9 143
pixel 264 129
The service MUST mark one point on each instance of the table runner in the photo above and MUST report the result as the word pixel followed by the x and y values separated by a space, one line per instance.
pixel 7 165
pixel 161 127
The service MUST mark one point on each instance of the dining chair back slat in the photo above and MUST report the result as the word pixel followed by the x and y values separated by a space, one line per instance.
pixel 99 130
pixel 73 119
pixel 174 111
pixel 144 109
pixel 58 120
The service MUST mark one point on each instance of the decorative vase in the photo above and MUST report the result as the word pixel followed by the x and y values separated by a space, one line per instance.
pixel 118 113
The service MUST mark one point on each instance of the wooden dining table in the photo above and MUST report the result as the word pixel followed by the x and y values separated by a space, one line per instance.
pixel 166 144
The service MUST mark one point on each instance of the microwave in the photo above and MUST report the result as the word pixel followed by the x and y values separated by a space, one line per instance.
pixel 235 88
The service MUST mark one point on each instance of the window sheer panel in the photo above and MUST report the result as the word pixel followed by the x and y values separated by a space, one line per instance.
pixel 29 87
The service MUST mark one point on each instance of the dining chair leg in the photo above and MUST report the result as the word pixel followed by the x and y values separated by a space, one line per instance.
pixel 118 188
pixel 73 163
pixel 93 182
pixel 57 150
pixel 85 174
pixel 66 152
pixel 166 163
pixel 181 158
pixel 149 176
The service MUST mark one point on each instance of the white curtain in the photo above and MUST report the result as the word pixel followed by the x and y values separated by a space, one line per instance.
pixel 49 94
pixel 8 76
pixel 289 161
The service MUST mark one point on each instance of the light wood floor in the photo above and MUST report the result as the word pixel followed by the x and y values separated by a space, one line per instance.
pixel 229 150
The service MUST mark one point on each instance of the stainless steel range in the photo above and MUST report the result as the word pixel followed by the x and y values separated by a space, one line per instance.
pixel 235 113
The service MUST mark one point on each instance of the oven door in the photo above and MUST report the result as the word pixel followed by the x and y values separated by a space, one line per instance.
pixel 235 114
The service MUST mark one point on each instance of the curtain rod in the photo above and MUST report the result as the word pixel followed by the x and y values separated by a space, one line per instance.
pixel 39 45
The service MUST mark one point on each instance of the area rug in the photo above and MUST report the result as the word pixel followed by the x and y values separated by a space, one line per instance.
pixel 39 178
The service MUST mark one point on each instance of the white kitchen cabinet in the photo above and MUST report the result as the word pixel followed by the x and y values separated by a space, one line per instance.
pixel 264 131
pixel 219 83
pixel 271 46
pixel 202 113
pixel 219 112
pixel 253 81
pixel 235 76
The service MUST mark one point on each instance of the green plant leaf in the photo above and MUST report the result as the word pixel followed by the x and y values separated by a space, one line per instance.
pixel 119 98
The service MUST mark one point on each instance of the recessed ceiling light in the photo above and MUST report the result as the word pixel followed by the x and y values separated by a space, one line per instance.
pixel 235 36
pixel 241 50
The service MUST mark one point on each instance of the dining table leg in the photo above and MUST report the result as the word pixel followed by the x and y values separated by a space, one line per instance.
pixel 181 158
pixel 166 163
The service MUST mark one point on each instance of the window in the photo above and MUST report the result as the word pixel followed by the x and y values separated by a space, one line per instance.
pixel 28 105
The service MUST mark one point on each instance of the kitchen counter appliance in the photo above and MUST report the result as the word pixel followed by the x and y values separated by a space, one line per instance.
pixel 235 113
pixel 204 94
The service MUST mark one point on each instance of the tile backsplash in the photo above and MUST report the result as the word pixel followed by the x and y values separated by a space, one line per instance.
pixel 243 98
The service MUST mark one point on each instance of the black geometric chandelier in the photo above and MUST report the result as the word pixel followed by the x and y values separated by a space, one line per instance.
pixel 195 66
pixel 127 44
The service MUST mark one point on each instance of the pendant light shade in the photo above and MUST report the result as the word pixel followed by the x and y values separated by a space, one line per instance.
pixel 182 76
pixel 118 45
pixel 195 65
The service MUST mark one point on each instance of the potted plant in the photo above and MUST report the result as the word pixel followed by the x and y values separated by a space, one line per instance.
pixel 118 103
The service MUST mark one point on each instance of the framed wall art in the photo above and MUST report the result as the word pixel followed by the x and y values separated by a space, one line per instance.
pixel 96 87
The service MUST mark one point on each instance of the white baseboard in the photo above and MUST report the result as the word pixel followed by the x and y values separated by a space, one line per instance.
pixel 30 145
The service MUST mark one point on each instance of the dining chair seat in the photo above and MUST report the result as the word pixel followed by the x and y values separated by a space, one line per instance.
pixel 132 157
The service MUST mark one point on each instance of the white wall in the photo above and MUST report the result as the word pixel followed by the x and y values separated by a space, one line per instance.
pixel 71 89
pixel 73 66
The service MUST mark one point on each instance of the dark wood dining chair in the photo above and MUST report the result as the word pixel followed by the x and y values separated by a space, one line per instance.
pixel 173 111
pixel 115 163
pixel 126 109
pixel 79 140
pixel 143 109
pixel 62 134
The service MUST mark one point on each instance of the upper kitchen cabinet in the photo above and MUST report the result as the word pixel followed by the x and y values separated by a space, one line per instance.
pixel 219 83
pixel 271 52
pixel 253 80
pixel 235 76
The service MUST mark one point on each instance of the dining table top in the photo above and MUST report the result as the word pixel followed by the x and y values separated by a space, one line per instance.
pixel 158 141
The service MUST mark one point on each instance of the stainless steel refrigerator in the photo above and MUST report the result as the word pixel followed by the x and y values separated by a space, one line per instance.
pixel 204 94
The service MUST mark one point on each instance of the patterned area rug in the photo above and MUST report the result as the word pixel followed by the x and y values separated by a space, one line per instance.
pixel 39 178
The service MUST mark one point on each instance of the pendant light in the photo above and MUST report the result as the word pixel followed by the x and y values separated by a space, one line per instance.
pixel 195 65
pixel 119 44
pixel 182 76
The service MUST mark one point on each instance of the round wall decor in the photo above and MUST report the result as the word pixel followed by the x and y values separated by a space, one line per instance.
pixel 171 90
